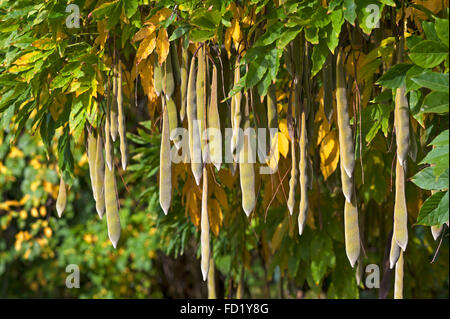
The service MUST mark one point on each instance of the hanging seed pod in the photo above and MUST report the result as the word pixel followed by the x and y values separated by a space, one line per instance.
pixel 215 144
pixel 359 271
pixel 205 227
pixel 240 288
pixel 394 253
pixel 122 122
pixel 347 184
pixel 173 122
pixel 184 80
pixel 165 163
pixel 112 206
pixel 91 153
pixel 400 209
pixel 201 97
pixel 99 177
pixel 108 143
pixel 175 63
pixel 194 137
pixel 113 120
pixel 168 80
pixel 303 174
pixel 157 77
pixel 236 116
pixel 398 287
pixel 293 178
pixel 246 169
pixel 352 243
pixel 211 280
pixel 401 124
pixel 346 150
pixel 327 75
pixel 272 120
pixel 62 197
pixel 436 231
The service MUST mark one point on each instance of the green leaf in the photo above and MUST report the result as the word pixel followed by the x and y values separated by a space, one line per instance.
pixel 350 11
pixel 179 32
pixel 198 35
pixel 426 179
pixel 432 80
pixel 410 84
pixel 104 9
pixel 395 76
pixel 320 18
pixel 312 35
pixel 438 157
pixel 379 119
pixel 333 5
pixel 428 53
pixel 441 140
pixel 272 34
pixel 205 19
pixel 435 102
pixel 130 7
pixel 442 30
pixel 255 73
pixel 430 31
pixel 434 210
pixel 288 36
pixel 65 158
pixel 318 57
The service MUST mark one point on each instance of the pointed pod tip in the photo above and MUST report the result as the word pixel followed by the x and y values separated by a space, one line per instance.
pixel 59 210
pixel 352 262
pixel 164 207
pixel 402 245
pixel 198 177
pixel 349 172
pixel 291 209
pixel 391 264
pixel 205 274
pixel 114 241
pixel 348 198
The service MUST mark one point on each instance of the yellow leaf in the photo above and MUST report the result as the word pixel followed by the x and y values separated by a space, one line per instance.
pixel 283 144
pixel 162 45
pixel 26 58
pixel 232 7
pixel 329 154
pixel 324 126
pixel 226 178
pixel 194 211
pixel 283 128
pixel 215 216
pixel 103 34
pixel 249 19
pixel 146 47
pixel 278 235
pixel 220 195
pixel 143 33
pixel 159 16
pixel 236 35
pixel 43 44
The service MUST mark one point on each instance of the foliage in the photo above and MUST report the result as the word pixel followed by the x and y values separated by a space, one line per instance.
pixel 54 84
